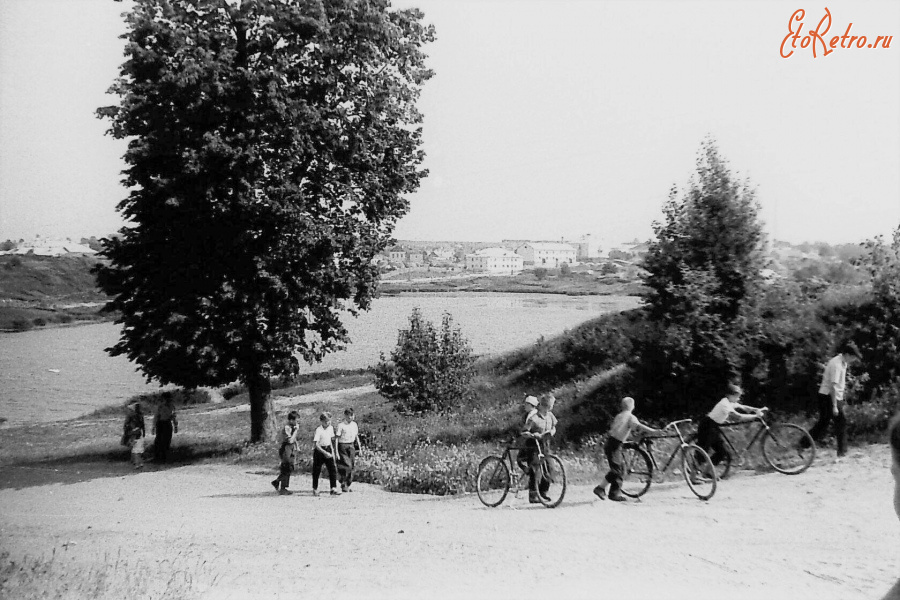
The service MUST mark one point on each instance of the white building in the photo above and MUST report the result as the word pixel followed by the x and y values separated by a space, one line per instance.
pixel 494 260
pixel 547 254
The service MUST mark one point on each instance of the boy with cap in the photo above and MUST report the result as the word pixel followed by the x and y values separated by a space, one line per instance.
pixel 619 431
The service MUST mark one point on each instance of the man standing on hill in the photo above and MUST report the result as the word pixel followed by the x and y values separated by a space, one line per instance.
pixel 164 424
pixel 831 396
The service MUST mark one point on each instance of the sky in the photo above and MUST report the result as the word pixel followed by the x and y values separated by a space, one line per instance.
pixel 546 119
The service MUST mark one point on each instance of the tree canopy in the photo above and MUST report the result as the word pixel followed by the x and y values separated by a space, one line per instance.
pixel 271 143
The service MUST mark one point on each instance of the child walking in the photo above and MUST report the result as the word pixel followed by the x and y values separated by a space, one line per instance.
pixel 288 438
pixel 347 447
pixel 137 448
pixel 619 431
pixel 323 454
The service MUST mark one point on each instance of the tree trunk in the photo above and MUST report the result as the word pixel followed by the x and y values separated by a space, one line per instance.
pixel 262 410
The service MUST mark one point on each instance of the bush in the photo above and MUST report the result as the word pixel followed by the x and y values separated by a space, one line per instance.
pixel 429 369
pixel 540 273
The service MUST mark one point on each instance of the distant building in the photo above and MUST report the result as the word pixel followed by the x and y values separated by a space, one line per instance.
pixel 396 254
pixel 495 260
pixel 587 247
pixel 547 254
pixel 48 247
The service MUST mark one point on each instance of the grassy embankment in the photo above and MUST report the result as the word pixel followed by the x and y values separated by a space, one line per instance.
pixel 37 291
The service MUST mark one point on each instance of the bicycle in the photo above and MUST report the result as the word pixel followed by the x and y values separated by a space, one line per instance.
pixel 640 466
pixel 493 479
pixel 786 447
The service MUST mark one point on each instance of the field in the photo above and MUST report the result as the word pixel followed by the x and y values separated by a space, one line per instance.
pixel 77 521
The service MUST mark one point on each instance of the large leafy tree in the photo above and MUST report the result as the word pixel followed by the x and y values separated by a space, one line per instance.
pixel 271 143
pixel 703 272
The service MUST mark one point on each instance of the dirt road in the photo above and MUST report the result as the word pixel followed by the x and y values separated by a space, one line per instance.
pixel 220 532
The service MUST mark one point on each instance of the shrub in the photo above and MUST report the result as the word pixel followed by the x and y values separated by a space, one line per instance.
pixel 429 369
pixel 540 273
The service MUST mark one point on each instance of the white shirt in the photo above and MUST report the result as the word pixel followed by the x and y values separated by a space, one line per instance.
pixel 347 432
pixel 324 436
pixel 722 411
pixel 834 378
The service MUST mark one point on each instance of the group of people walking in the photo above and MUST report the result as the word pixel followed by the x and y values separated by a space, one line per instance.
pixel 334 449
pixel 134 431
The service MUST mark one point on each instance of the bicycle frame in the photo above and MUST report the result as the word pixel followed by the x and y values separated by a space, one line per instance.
pixel 739 454
pixel 682 442
pixel 523 474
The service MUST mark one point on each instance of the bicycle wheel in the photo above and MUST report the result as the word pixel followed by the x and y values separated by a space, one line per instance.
pixel 788 448
pixel 492 481
pixel 553 482
pixel 698 471
pixel 637 471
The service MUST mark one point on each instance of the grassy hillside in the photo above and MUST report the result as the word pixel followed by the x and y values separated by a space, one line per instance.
pixel 42 290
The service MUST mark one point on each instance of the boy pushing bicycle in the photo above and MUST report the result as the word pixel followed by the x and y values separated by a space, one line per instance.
pixel 709 435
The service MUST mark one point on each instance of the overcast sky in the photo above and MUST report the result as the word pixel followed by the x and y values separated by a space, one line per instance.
pixel 545 118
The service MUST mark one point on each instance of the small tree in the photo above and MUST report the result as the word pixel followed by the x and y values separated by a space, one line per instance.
pixel 703 276
pixel 429 369
pixel 565 270
pixel 540 273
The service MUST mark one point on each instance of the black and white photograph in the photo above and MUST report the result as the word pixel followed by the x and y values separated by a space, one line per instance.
pixel 463 299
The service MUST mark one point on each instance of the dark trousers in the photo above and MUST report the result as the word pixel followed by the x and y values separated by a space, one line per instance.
pixel 287 465
pixel 346 462
pixel 320 459
pixel 163 440
pixel 527 458
pixel 709 437
pixel 825 416
pixel 614 476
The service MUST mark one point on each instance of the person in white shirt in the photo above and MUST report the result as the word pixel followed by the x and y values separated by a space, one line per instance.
pixel 709 436
pixel 323 454
pixel 619 431
pixel 831 397
pixel 347 446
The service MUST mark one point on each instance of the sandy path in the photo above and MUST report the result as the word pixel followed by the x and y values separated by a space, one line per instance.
pixel 829 533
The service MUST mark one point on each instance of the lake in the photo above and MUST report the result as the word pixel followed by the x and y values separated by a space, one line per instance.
pixel 62 373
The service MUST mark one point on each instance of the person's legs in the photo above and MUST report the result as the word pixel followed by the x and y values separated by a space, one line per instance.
pixel 318 461
pixel 612 449
pixel 821 427
pixel 840 432
pixel 163 440
pixel 332 472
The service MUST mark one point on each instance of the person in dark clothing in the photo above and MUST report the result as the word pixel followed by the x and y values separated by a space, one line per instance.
pixel 288 438
pixel 165 423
